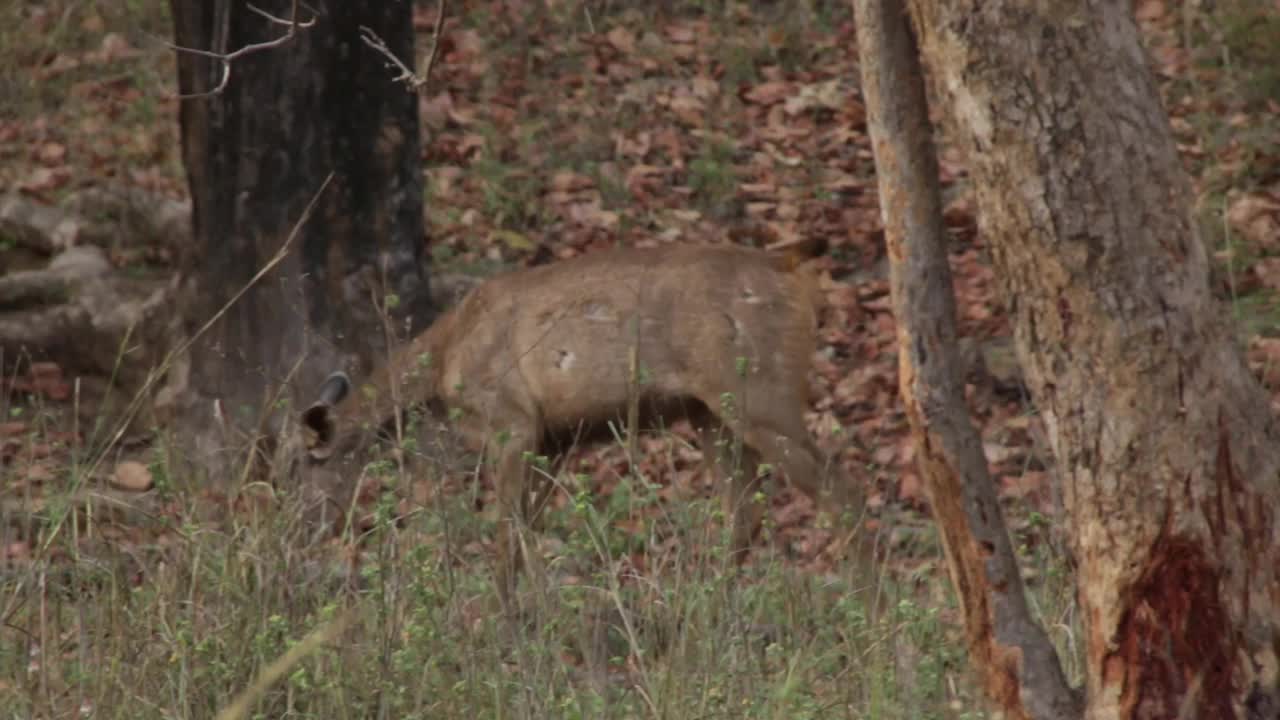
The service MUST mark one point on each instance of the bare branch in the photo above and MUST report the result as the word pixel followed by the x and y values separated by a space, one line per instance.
pixel 225 59
pixel 416 82
pixel 406 75
pixel 436 34
pixel 282 21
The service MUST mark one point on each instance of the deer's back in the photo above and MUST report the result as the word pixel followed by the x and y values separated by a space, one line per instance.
pixel 557 341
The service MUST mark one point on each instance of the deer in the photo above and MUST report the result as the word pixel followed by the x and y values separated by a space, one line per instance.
pixel 533 359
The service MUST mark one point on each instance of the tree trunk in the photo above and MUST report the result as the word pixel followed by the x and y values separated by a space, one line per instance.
pixel 256 154
pixel 1165 443
pixel 1015 659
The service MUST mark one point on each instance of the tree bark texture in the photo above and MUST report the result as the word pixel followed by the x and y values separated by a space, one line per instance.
pixel 1165 444
pixel 1014 656
pixel 257 153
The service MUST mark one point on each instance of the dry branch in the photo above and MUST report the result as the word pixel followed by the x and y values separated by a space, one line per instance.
pixel 416 82
pixel 225 59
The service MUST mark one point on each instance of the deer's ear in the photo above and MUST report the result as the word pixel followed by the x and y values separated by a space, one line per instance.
pixel 333 389
pixel 318 420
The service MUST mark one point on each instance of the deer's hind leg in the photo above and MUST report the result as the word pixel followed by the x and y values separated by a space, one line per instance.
pixel 510 447
pixel 735 466
pixel 779 433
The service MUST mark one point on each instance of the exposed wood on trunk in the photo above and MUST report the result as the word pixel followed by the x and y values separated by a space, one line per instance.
pixel 1015 659
pixel 1165 443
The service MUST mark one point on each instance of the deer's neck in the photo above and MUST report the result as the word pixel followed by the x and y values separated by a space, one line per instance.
pixel 409 377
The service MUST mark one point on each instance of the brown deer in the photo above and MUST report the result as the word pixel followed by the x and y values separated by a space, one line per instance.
pixel 720 335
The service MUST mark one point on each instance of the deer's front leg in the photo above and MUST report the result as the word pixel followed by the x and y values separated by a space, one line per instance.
pixel 736 470
pixel 514 446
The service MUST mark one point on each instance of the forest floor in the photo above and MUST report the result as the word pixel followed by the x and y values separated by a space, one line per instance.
pixel 549 133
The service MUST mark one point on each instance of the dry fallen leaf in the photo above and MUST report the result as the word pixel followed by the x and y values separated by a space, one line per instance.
pixel 39 473
pixel 133 476
pixel 17 551
pixel 1149 10
pixel 569 181
pixel 52 153
pixel 911 490
pixel 12 429
pixel 768 93
pixel 1256 218
pixel 44 179
pixel 45 379
pixel 1268 271
pixel 114 47
pixel 623 40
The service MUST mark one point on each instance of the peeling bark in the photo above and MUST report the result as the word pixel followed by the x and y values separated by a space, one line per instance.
pixel 1014 656
pixel 1165 443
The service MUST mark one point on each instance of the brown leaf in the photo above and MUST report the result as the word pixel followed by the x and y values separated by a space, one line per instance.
pixel 569 181
pixel 39 473
pixel 1268 271
pixel 93 24
pixel 768 93
pixel 622 39
pixel 12 429
pixel 829 95
pixel 435 110
pixel 688 108
pixel 776 36
pixel 17 550
pixel 469 142
pixel 44 378
pixel 636 147
pixel 52 153
pixel 424 19
pixel 681 34
pixel 592 215
pixel 43 180
pixel 1256 218
pixel 911 490
pixel 444 180
pixel 1031 487
pixel 1264 360
pixel 114 47
pixel 133 476
pixel 468 41
pixel 462 116
pixel 1149 10
pixel 61 63
pixel 760 190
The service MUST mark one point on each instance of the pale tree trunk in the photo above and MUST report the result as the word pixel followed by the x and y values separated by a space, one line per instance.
pixel 1164 441
pixel 1019 669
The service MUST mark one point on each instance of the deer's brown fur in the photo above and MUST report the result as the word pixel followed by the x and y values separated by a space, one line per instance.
pixel 726 337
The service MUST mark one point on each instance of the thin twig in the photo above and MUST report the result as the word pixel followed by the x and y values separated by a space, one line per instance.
pixel 417 83
pixel 406 75
pixel 282 21
pixel 436 34
pixel 225 59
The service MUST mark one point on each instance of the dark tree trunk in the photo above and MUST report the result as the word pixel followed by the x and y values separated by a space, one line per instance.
pixel 257 153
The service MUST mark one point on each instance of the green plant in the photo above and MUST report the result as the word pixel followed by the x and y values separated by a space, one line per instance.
pixel 711 174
